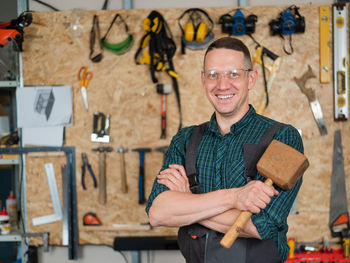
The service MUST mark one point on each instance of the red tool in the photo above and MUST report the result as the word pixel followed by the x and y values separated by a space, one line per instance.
pixel 163 90
pixel 14 30
pixel 91 219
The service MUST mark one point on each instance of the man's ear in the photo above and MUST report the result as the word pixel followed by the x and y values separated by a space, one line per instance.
pixel 202 78
pixel 253 76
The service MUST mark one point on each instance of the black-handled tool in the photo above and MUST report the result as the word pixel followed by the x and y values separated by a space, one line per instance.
pixel 142 152
pixel 85 164
pixel 100 128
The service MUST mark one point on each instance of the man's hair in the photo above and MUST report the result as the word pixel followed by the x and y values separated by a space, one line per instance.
pixel 231 43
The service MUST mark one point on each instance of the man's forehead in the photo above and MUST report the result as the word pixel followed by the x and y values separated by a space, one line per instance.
pixel 224 54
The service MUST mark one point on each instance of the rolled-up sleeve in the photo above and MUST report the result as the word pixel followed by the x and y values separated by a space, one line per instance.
pixel 174 155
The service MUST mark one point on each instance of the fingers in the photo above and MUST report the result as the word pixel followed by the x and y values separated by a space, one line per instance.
pixel 176 174
pixel 255 196
pixel 174 178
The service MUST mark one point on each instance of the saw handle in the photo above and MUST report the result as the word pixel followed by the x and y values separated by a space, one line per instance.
pixel 237 228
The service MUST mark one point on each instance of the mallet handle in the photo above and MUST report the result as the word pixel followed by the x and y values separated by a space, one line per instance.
pixel 234 231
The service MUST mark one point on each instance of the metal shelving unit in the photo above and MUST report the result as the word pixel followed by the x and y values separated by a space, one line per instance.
pixel 9 83
pixel 12 161
pixel 12 237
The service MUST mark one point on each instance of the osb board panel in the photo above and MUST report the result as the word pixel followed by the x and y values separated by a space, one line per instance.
pixel 53 55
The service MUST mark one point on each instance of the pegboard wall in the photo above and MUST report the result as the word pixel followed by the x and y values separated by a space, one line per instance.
pixel 53 54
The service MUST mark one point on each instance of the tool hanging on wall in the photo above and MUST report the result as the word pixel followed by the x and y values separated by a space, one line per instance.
pixel 338 212
pixel 95 41
pixel 91 219
pixel 162 149
pixel 325 52
pixel 260 53
pixel 163 90
pixel 123 181
pixel 100 132
pixel 55 199
pixel 288 23
pixel 84 76
pixel 238 24
pixel 340 63
pixel 85 165
pixel 14 30
pixel 121 47
pixel 160 53
pixel 142 152
pixel 197 32
pixel 310 93
pixel 102 179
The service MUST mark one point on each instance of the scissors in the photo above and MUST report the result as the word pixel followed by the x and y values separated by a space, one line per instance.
pixel 84 76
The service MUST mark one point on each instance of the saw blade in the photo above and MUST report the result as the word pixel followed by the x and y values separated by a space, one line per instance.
pixel 338 213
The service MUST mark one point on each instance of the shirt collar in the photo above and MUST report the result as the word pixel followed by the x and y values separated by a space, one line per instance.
pixel 213 126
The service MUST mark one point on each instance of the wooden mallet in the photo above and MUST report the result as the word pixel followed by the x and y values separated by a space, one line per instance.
pixel 280 164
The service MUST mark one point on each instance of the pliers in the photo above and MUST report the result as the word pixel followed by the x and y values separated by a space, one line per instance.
pixel 83 168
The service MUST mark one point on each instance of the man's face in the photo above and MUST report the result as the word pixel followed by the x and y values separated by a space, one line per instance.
pixel 227 92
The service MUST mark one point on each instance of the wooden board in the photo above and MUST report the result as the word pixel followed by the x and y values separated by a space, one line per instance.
pixel 53 54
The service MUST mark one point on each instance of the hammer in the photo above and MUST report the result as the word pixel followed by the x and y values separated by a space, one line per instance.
pixel 102 191
pixel 163 90
pixel 124 187
pixel 280 164
pixel 162 149
pixel 142 152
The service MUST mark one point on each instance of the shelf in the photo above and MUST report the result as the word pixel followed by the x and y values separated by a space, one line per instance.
pixel 12 237
pixel 9 161
pixel 8 84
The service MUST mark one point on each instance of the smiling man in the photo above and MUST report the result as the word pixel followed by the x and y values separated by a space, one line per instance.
pixel 224 171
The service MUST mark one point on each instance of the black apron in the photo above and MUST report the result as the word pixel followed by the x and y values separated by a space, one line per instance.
pixel 199 244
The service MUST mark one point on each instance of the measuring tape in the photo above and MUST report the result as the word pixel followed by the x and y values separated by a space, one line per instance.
pixel 325 53
pixel 340 44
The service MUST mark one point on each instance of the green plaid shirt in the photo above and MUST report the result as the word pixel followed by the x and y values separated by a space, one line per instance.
pixel 220 164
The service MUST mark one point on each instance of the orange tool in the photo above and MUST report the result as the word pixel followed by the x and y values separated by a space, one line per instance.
pixel 84 76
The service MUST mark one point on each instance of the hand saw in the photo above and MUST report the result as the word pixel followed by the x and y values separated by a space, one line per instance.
pixel 338 212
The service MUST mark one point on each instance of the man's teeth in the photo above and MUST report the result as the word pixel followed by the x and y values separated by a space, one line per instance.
pixel 225 96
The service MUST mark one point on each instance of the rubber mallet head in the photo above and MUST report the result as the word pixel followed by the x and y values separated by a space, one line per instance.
pixel 282 164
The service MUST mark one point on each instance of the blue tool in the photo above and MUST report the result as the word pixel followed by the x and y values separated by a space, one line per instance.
pixel 83 168
pixel 142 152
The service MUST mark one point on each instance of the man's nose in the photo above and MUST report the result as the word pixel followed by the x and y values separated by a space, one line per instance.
pixel 222 81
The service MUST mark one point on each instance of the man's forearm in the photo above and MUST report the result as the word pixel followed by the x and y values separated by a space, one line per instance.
pixel 188 208
pixel 225 220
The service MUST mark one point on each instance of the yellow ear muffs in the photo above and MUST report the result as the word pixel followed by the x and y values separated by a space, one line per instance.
pixel 202 32
pixel 189 32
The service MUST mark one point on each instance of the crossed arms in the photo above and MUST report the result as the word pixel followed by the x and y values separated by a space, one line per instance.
pixel 216 210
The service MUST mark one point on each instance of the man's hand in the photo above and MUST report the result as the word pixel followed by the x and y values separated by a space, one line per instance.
pixel 175 178
pixel 254 196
